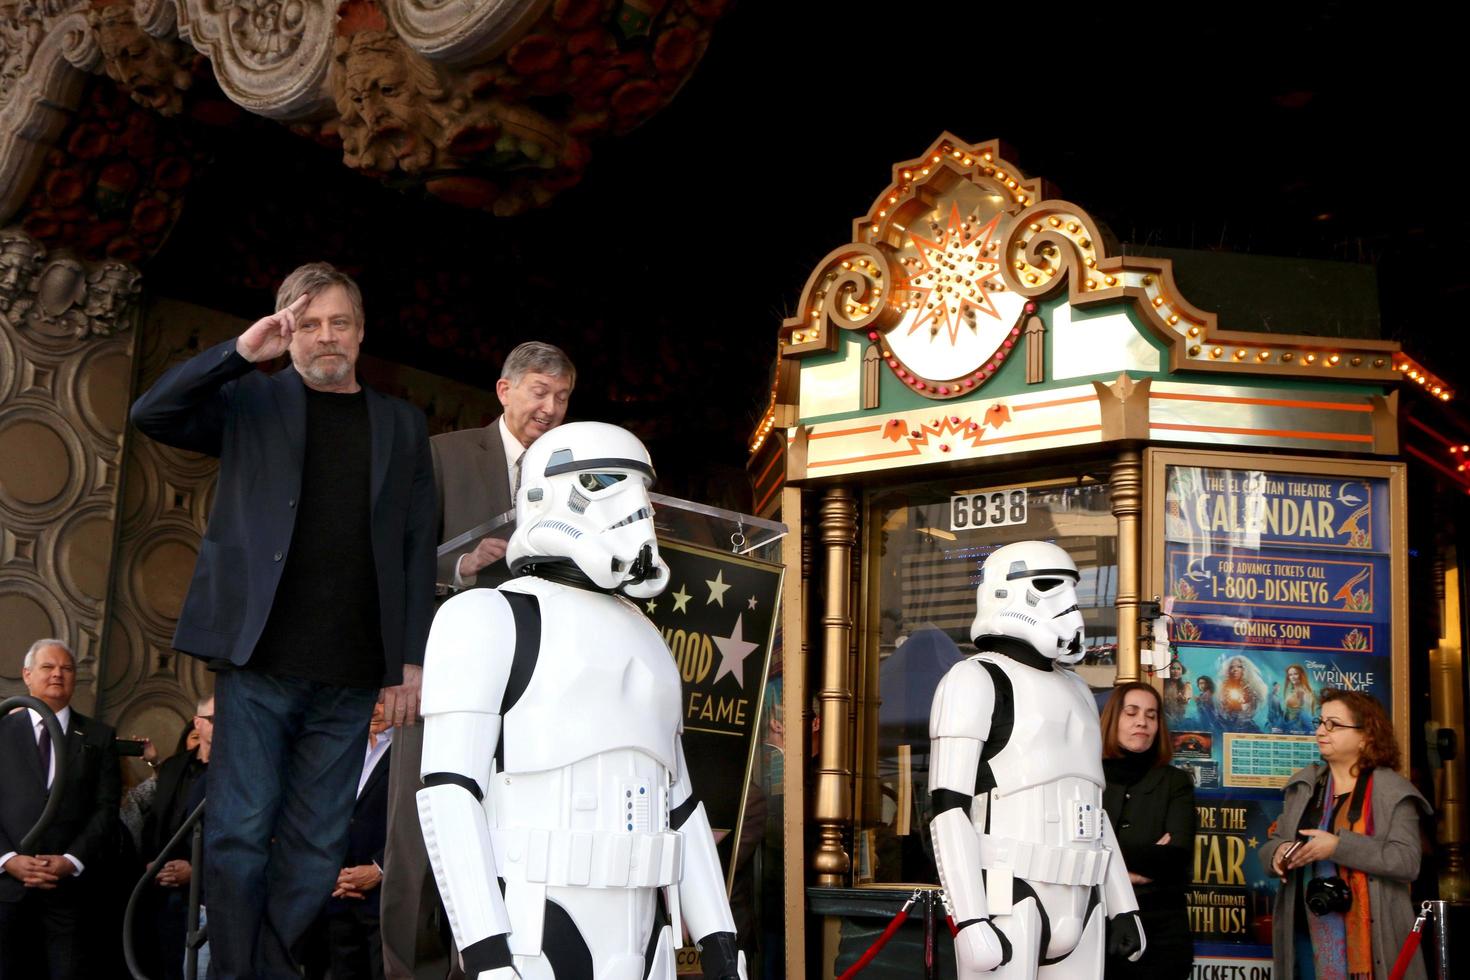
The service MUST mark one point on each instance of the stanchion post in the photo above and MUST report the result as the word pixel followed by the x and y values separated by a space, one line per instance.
pixel 191 921
pixel 1440 911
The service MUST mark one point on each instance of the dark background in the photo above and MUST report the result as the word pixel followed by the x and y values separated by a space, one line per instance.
pixel 1245 131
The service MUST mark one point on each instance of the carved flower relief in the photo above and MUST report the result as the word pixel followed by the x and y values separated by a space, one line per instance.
pixel 265 32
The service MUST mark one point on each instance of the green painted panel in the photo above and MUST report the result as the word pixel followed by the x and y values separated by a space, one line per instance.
pixel 895 396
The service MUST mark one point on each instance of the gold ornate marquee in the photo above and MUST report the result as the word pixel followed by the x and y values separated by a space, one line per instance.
pixel 945 270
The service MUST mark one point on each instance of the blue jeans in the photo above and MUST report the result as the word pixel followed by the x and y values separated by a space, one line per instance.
pixel 283 772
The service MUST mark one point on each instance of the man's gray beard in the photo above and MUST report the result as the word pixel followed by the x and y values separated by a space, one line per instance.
pixel 317 375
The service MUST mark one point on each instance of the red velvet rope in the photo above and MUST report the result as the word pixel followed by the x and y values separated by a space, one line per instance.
pixel 878 944
pixel 1411 945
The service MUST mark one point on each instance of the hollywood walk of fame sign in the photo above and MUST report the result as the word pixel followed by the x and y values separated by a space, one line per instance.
pixel 718 619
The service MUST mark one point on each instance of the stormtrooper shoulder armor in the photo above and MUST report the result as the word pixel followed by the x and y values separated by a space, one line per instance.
pixel 469 655
pixel 963 703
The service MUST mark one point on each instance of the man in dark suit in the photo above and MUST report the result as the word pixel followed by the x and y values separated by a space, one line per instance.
pixel 43 897
pixel 355 948
pixel 313 590
pixel 475 481
pixel 181 780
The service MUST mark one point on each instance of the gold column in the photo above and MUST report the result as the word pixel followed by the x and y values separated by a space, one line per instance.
pixel 1126 482
pixel 869 791
pixel 1446 665
pixel 833 808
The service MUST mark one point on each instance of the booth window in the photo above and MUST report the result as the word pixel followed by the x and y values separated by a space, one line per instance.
pixel 926 545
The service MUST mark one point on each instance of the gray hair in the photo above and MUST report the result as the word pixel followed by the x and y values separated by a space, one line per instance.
pixel 39 645
pixel 311 279
pixel 534 357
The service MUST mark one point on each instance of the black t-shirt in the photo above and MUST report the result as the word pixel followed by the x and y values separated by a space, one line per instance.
pixel 325 622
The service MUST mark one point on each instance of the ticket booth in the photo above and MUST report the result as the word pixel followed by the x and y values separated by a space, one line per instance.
pixel 979 365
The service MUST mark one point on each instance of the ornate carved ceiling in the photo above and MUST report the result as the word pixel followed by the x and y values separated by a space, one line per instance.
pixel 486 104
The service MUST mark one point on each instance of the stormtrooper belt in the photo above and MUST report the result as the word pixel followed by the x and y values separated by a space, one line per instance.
pixel 588 859
pixel 1008 857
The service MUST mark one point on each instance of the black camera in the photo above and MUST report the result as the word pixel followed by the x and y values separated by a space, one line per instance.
pixel 1326 895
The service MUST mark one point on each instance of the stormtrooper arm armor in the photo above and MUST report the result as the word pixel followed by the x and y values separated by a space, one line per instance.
pixel 466 668
pixel 1125 931
pixel 959 724
pixel 701 897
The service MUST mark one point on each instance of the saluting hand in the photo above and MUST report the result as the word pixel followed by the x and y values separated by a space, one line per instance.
pixel 270 336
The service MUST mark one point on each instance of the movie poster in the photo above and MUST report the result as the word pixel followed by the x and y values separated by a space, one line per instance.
pixel 1278 586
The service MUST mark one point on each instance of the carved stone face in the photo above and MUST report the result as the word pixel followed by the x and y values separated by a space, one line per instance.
pixel 380 89
pixel 141 64
pixel 110 291
pixel 391 103
pixel 17 271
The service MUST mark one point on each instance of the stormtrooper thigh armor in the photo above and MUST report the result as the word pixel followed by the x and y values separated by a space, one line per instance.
pixel 552 762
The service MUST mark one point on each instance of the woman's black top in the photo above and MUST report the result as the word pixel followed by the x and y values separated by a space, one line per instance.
pixel 1144 802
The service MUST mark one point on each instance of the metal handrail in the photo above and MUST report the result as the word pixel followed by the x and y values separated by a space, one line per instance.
pixel 195 937
pixel 58 757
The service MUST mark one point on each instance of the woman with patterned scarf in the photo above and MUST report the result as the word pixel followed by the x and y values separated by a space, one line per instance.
pixel 1346 846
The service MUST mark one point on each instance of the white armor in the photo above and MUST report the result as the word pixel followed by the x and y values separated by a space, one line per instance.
pixel 1035 822
pixel 553 767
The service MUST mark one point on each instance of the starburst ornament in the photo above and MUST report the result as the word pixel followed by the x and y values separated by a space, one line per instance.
pixel 953 277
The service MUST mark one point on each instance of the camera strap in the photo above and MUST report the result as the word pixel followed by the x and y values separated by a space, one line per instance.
pixel 1355 801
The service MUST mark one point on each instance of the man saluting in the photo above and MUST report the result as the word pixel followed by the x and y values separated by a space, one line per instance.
pixel 313 591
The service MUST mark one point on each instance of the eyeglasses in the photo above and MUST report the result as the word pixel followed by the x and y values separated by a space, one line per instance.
pixel 1332 724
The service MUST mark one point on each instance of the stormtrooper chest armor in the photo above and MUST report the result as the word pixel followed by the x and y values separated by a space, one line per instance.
pixel 1044 817
pixel 589 748
pixel 603 681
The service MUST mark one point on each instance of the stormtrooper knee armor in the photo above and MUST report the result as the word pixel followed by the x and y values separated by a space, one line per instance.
pixel 557 810
pixel 1016 781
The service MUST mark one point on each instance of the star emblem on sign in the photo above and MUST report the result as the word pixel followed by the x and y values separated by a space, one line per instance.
pixel 733 651
pixel 717 588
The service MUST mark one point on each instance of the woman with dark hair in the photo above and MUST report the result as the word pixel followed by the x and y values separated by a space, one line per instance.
pixel 1151 806
pixel 1346 847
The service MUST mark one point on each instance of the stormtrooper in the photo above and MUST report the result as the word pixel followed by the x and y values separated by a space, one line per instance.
pixel 1024 848
pixel 557 808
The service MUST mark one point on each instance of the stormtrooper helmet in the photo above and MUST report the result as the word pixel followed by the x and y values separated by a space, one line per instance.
pixel 583 500
pixel 1028 591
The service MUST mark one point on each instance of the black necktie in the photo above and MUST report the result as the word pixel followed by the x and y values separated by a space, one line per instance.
pixel 43 746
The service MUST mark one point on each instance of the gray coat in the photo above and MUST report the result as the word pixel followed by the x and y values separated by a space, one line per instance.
pixel 1390 857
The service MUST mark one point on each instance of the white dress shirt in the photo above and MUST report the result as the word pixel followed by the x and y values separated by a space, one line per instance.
pixel 376 751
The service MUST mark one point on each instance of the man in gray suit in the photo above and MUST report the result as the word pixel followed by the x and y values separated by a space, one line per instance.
pixel 476 473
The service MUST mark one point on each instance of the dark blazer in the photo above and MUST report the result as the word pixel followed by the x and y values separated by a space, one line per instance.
pixel 218 404
pixel 367 836
pixel 85 825
pixel 472 486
